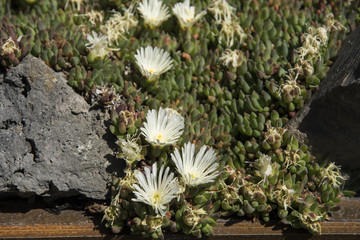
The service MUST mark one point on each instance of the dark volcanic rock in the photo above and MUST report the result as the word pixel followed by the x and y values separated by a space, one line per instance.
pixel 330 121
pixel 51 144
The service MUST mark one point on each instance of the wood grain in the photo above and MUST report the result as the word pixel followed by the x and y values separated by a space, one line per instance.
pixel 71 224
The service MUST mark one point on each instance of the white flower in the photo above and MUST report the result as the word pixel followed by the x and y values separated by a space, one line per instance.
pixel 291 158
pixel 314 39
pixel 163 127
pixel 130 150
pixel 290 87
pixel 222 10
pixel 273 135
pixel 155 188
pixel 303 67
pixel 196 170
pixel 332 24
pixel 311 47
pixel 118 25
pixel 284 195
pixel 181 189
pixel 186 14
pixel 129 180
pixel 153 12
pixel 95 16
pixel 192 216
pixel 320 34
pixel 332 174
pixel 153 62
pixel 230 26
pixel 264 166
pixel 98 44
pixel 233 57
pixel 9 47
pixel 229 29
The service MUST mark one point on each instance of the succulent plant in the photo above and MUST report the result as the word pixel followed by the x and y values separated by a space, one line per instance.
pixel 234 76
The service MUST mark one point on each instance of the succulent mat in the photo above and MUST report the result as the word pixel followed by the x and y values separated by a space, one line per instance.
pixel 199 93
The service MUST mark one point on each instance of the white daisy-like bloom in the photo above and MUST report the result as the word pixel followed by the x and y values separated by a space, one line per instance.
pixel 192 216
pixel 264 166
pixel 153 62
pixel 284 196
pixel 291 158
pixel 129 180
pixel 222 10
pixel 196 170
pixel 9 47
pixel 333 175
pixel 130 150
pixel 320 34
pixel 313 40
pixel 95 16
pixel 291 87
pixel 98 44
pixel 332 24
pixel 229 29
pixel 181 189
pixel 163 127
pixel 155 188
pixel 153 12
pixel 186 14
pixel 119 24
pixel 303 67
pixel 311 46
pixel 273 134
pixel 232 57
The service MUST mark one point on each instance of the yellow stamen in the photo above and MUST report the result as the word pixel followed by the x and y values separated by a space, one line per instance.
pixel 156 197
pixel 159 137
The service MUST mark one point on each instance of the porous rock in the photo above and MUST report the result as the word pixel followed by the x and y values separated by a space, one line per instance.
pixel 330 121
pixel 51 142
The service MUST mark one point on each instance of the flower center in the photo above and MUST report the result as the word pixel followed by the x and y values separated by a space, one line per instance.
pixel 156 197
pixel 151 70
pixel 192 176
pixel 188 19
pixel 159 137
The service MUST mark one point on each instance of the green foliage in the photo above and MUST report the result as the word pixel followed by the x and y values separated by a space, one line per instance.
pixel 239 107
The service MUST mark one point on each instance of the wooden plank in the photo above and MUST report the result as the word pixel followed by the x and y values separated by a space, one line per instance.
pixel 243 230
pixel 71 224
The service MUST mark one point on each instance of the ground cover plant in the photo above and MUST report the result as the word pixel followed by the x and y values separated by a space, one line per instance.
pixel 199 94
